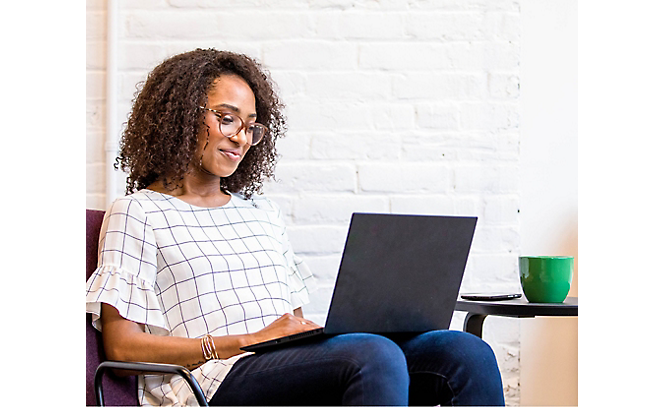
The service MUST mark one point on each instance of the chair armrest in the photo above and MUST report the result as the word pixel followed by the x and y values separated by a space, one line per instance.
pixel 148 368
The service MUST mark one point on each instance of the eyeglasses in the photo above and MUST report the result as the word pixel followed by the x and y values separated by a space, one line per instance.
pixel 231 125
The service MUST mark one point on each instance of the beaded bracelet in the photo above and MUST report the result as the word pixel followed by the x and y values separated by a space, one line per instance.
pixel 209 350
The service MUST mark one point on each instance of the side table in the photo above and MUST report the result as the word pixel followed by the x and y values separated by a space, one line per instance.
pixel 517 308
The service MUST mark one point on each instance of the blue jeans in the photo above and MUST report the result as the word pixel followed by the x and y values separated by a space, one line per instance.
pixel 437 367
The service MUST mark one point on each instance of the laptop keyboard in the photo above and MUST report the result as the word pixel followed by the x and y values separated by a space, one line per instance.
pixel 301 335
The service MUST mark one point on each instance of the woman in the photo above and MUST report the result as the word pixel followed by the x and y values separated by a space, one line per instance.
pixel 193 266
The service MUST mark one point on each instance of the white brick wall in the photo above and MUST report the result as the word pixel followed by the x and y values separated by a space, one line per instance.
pixel 394 106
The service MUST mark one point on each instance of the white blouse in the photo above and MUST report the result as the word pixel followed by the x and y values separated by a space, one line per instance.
pixel 188 271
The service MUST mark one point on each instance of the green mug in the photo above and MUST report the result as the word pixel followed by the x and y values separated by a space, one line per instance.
pixel 546 278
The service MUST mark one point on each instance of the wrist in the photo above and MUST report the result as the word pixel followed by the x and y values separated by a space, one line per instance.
pixel 246 340
pixel 209 348
pixel 229 346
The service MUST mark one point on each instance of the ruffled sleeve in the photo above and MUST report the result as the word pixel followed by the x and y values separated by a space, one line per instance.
pixel 300 279
pixel 127 268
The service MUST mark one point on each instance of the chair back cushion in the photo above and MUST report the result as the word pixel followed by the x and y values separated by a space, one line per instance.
pixel 118 391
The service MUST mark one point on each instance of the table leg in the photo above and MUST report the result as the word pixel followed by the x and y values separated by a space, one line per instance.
pixel 473 324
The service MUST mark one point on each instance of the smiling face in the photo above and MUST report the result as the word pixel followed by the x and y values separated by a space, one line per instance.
pixel 221 155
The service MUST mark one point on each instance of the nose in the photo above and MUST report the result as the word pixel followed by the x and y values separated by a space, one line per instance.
pixel 241 137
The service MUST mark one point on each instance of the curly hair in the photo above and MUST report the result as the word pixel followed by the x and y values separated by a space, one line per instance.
pixel 161 134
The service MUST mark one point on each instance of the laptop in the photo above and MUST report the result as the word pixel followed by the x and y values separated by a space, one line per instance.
pixel 398 274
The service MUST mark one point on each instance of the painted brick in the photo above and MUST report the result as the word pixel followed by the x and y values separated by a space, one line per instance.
pixel 503 86
pixel 360 145
pixel 443 116
pixel 501 209
pixel 403 177
pixel 295 146
pixel 392 117
pixel 259 25
pixel 496 239
pixel 311 114
pixel 95 85
pixel 360 25
pixel 142 56
pixel 464 5
pixel 319 239
pixel 348 86
pixel 95 182
pixel 95 55
pixel 423 204
pixel 95 24
pixel 94 148
pixel 445 86
pixel 95 114
pixel 404 56
pixel 179 25
pixel 310 55
pixel 485 178
pixel 446 26
pixel 488 116
pixel 313 177
pixel 324 267
pixel 336 208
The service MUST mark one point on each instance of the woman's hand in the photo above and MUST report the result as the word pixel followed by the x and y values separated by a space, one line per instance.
pixel 286 325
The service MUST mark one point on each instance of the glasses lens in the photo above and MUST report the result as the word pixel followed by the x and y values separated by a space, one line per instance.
pixel 229 125
pixel 256 131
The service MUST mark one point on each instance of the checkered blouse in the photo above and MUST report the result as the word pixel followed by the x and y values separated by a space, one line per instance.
pixel 187 271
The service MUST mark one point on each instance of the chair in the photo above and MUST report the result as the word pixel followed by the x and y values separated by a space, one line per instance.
pixel 117 391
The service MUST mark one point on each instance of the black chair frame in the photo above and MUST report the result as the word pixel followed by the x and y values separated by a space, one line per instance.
pixel 147 368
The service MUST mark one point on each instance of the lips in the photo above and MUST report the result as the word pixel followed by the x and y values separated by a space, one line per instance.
pixel 234 155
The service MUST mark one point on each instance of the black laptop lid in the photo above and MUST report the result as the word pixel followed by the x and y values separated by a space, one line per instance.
pixel 400 273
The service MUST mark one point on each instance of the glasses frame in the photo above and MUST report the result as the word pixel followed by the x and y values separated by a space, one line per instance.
pixel 243 125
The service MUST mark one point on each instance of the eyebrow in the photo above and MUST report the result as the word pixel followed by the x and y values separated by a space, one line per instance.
pixel 231 107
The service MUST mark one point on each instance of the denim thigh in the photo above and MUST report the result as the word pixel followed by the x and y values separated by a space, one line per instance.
pixel 451 368
pixel 350 369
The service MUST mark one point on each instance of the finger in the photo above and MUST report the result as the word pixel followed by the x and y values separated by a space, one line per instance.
pixel 309 323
